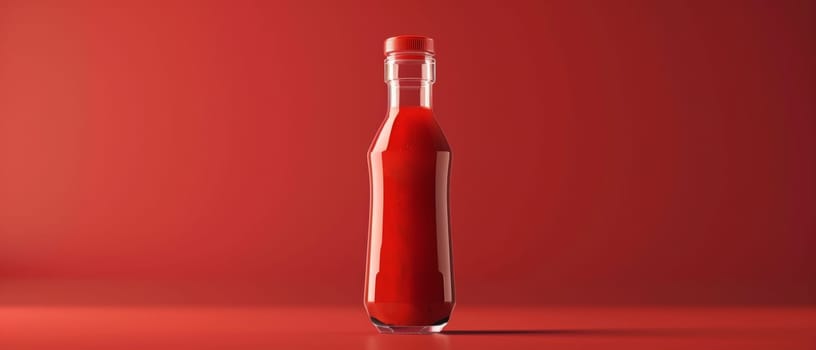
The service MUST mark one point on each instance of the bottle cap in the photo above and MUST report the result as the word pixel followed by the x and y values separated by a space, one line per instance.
pixel 411 43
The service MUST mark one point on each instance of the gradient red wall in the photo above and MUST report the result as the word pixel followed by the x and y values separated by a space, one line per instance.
pixel 621 152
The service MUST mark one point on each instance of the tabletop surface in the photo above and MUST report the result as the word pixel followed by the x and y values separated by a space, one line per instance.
pixel 471 327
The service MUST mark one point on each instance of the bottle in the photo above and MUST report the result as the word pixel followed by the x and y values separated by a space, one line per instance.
pixel 409 275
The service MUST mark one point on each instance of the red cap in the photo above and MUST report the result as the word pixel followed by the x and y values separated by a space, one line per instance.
pixel 409 43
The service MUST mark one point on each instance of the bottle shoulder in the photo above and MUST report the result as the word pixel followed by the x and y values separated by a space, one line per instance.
pixel 411 130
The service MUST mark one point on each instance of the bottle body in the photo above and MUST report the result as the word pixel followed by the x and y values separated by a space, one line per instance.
pixel 409 281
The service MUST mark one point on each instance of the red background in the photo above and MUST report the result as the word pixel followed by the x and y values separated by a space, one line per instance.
pixel 605 152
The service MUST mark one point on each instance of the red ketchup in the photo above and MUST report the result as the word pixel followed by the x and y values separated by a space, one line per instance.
pixel 409 277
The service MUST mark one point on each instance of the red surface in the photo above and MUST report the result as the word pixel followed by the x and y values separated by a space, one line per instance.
pixel 409 277
pixel 346 328
pixel 608 152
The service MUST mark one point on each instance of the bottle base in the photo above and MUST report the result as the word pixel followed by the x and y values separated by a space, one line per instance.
pixel 410 329
pixel 421 329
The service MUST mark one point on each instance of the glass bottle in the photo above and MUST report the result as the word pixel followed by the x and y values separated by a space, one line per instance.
pixel 409 275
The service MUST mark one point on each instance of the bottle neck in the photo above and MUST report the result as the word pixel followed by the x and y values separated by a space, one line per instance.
pixel 410 76
pixel 409 94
